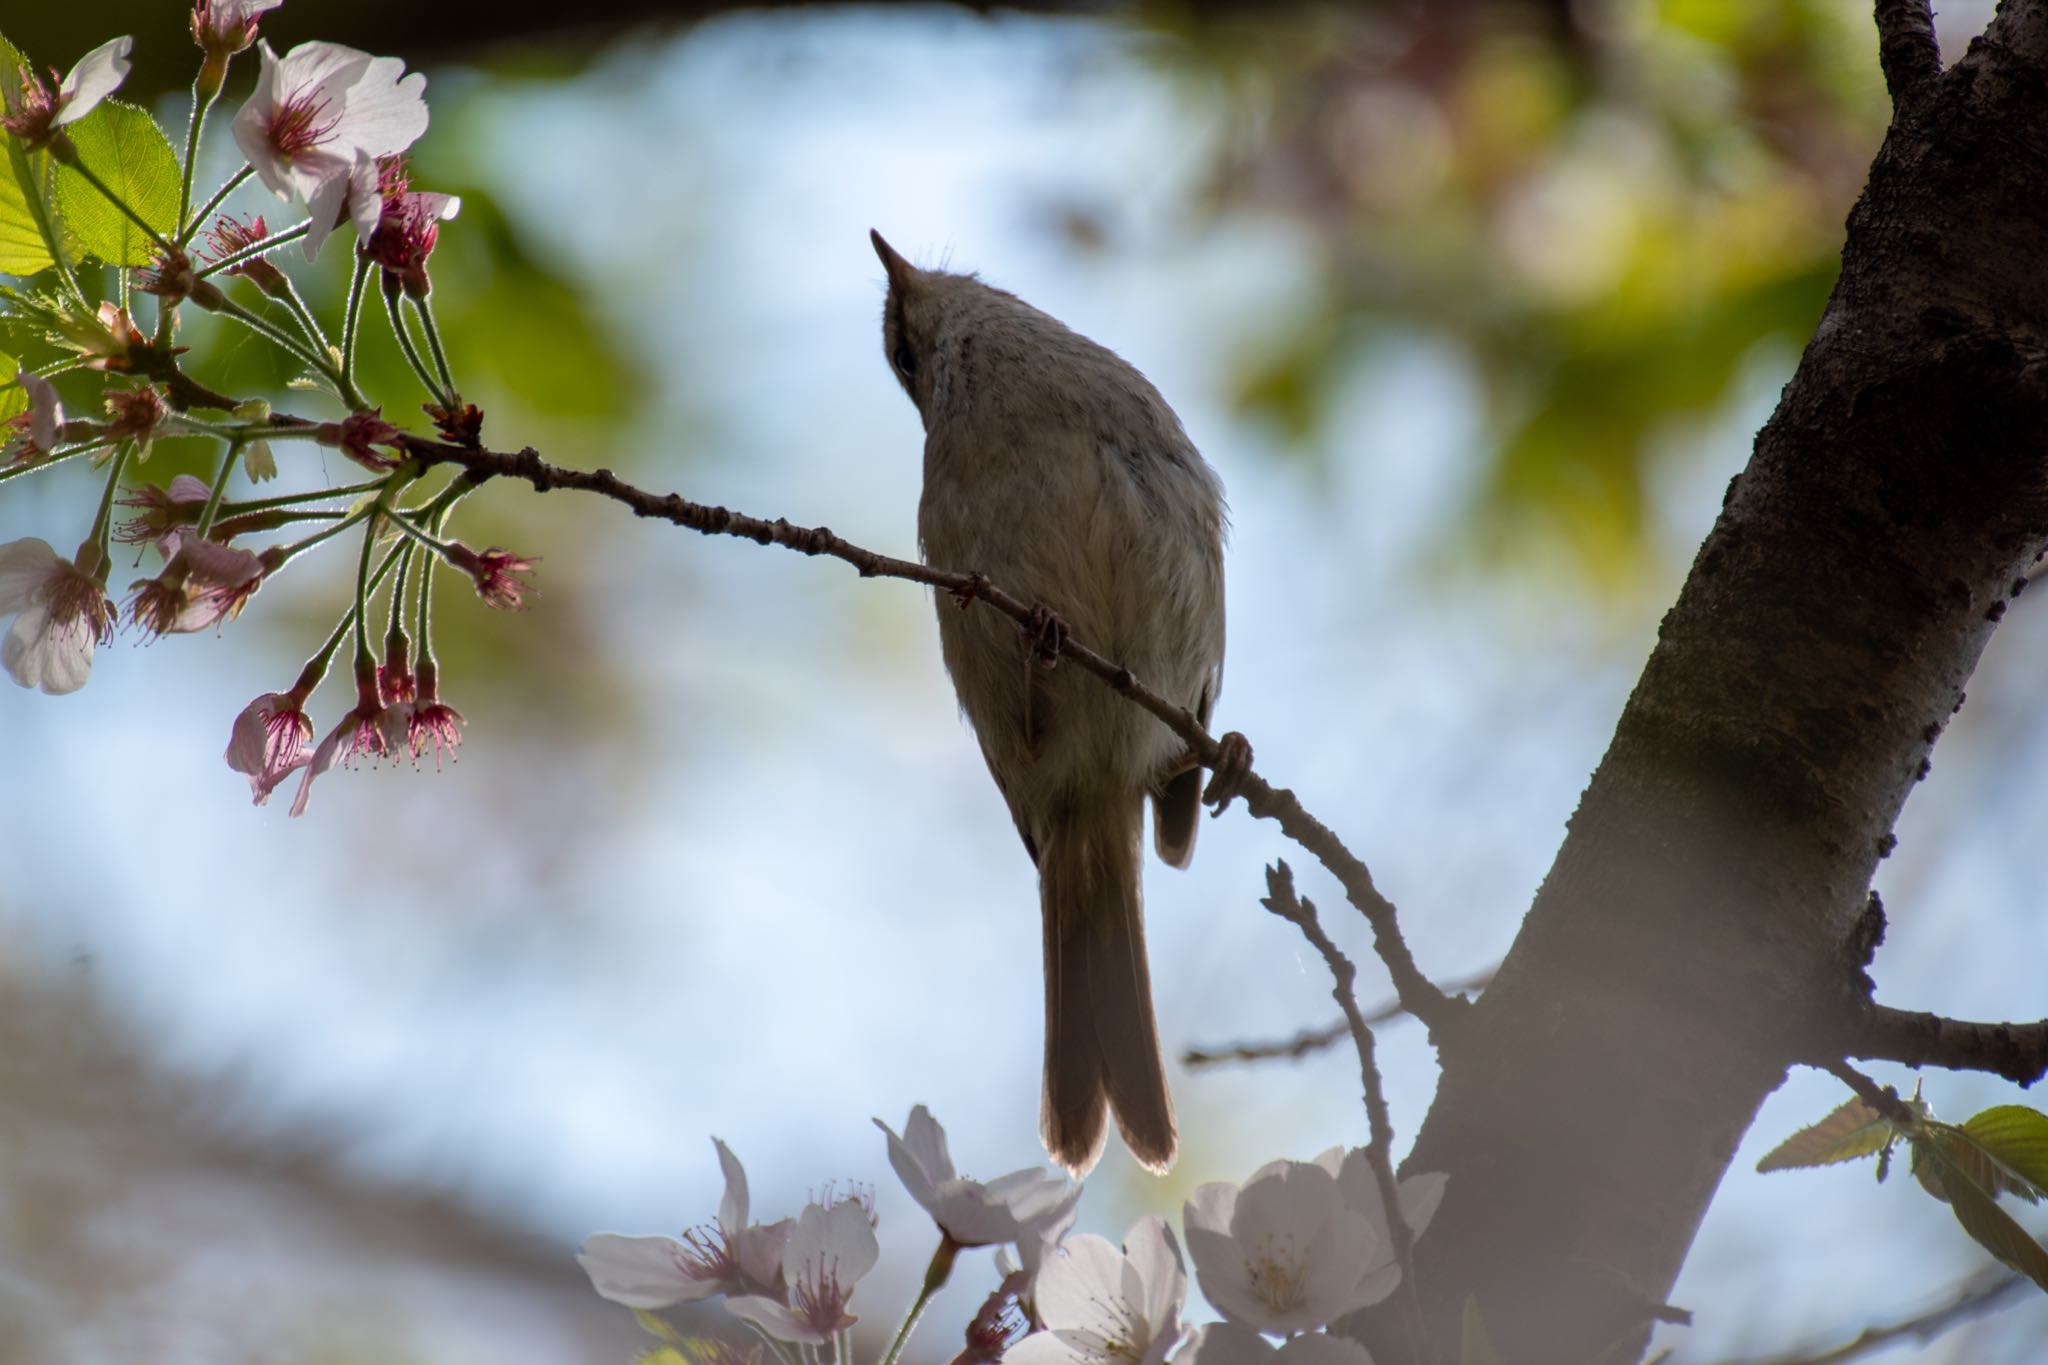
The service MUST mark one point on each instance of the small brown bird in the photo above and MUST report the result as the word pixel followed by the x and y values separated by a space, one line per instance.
pixel 1057 470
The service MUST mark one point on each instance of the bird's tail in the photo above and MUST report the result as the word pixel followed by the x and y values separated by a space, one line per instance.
pixel 1101 1045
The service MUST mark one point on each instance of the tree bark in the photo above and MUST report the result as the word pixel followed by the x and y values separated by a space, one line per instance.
pixel 1708 916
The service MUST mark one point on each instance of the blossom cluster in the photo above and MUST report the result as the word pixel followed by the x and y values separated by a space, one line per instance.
pixel 1295 1247
pixel 325 128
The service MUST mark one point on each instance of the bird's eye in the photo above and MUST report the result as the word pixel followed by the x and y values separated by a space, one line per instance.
pixel 905 362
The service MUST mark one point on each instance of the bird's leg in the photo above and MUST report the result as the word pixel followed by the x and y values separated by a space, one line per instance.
pixel 1047 635
pixel 1233 762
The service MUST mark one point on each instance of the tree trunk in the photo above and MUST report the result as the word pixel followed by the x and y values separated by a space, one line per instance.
pixel 1708 916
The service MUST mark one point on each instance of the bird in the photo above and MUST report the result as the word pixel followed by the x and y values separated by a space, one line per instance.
pixel 1055 470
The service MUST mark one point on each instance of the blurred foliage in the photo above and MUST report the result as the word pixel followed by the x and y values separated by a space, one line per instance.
pixel 1609 213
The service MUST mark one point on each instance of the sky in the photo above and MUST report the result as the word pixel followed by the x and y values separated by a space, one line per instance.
pixel 773 895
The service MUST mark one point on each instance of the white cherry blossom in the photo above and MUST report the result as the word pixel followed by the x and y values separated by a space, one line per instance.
pixel 1020 1207
pixel 831 1248
pixel 731 1256
pixel 320 112
pixel 1102 1306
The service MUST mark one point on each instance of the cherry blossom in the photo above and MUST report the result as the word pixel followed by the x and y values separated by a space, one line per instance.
pixel 495 573
pixel 268 742
pixel 60 614
pixel 433 721
pixel 370 727
pixel 161 512
pixel 1297 1247
pixel 225 27
pixel 1101 1305
pixel 408 226
pixel 828 1252
pixel 1010 1208
pixel 35 433
pixel 315 113
pixel 731 1256
pixel 35 112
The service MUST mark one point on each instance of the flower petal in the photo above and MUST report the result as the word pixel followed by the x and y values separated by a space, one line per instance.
pixel 639 1272
pixel 25 566
pixel 732 1208
pixel 774 1319
pixel 39 652
pixel 98 74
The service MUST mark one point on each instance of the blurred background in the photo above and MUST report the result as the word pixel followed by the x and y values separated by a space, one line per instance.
pixel 1475 308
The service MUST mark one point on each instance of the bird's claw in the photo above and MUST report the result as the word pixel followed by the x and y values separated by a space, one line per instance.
pixel 1233 764
pixel 1047 635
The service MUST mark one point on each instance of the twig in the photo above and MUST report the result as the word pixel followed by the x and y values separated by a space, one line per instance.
pixel 2018 1052
pixel 1418 994
pixel 1882 1098
pixel 1316 1040
pixel 1301 912
pixel 1908 52
pixel 1982 1293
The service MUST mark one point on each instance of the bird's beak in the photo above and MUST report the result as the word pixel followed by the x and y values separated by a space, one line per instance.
pixel 899 270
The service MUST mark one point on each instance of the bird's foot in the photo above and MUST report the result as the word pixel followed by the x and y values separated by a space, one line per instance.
pixel 1046 634
pixel 1233 764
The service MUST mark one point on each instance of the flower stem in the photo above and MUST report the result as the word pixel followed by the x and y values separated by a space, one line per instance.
pixel 198 220
pixel 35 466
pixel 426 311
pixel 316 667
pixel 220 483
pixel 202 100
pixel 236 509
pixel 350 331
pixel 308 324
pixel 262 248
pixel 411 348
pixel 103 522
pixel 935 1276
pixel 91 178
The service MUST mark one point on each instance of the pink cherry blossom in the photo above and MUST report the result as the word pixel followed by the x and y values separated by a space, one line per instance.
pixel 408 225
pixel 495 573
pixel 433 721
pixel 225 27
pixel 832 1247
pixel 60 614
pixel 315 113
pixel 269 741
pixel 161 512
pixel 35 433
pixel 370 728
pixel 35 112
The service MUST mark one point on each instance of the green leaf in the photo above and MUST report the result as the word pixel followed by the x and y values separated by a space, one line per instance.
pixel 23 250
pixel 1983 1165
pixel 122 145
pixel 2015 1137
pixel 13 397
pixel 1854 1130
pixel 1947 1160
pixel 1477 1346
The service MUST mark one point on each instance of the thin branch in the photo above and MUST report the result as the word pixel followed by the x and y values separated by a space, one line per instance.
pixel 1882 1098
pixel 2018 1052
pixel 1301 912
pixel 1418 994
pixel 1317 1040
pixel 1984 1292
pixel 1908 52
